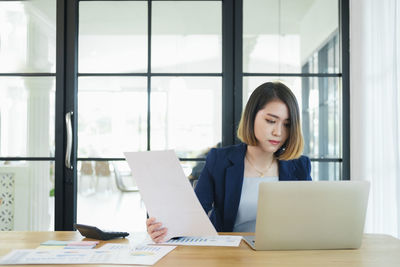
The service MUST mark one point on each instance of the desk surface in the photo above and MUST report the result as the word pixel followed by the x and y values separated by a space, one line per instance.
pixel 376 250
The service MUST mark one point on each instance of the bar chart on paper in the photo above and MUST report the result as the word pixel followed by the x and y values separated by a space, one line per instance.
pixel 218 241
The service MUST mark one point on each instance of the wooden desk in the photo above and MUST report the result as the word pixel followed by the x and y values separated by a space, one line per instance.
pixel 377 251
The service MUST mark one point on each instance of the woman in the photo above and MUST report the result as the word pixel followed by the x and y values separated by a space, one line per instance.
pixel 271 151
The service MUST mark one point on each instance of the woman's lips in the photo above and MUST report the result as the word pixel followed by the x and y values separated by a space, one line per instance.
pixel 274 142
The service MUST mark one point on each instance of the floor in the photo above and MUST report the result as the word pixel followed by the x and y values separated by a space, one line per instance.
pixel 102 204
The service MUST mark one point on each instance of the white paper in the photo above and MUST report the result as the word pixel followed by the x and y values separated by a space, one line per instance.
pixel 218 241
pixel 168 195
pixel 114 246
pixel 142 255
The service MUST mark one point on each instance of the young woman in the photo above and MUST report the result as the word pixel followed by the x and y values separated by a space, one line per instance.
pixel 271 151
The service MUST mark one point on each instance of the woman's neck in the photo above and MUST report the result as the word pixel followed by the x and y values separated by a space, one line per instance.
pixel 259 157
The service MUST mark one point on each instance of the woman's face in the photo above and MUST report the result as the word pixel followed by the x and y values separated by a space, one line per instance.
pixel 271 126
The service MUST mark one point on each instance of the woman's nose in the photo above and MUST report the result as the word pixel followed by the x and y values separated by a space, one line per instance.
pixel 277 130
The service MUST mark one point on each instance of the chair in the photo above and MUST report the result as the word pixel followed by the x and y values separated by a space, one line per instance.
pixel 87 182
pixel 121 176
pixel 86 168
pixel 102 168
pixel 119 180
pixel 102 171
pixel 196 171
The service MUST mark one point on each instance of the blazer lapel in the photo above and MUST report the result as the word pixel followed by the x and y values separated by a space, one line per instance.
pixel 233 186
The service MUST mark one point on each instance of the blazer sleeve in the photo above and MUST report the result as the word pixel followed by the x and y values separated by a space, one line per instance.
pixel 307 168
pixel 205 188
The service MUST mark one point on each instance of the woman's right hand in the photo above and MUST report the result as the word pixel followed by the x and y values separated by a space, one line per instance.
pixel 154 229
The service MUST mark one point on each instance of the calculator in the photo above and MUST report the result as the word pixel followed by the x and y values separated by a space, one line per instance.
pixel 95 233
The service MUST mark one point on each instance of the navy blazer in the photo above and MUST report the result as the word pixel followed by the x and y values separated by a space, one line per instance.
pixel 220 184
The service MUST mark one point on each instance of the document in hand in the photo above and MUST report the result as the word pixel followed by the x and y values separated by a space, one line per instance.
pixel 167 193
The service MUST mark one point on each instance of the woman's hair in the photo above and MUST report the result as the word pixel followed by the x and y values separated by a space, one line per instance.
pixel 262 95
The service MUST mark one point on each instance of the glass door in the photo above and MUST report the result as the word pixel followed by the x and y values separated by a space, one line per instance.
pixel 149 78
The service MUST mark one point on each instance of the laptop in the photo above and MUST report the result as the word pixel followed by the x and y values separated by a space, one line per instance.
pixel 310 215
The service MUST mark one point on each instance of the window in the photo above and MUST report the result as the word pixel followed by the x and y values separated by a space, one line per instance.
pixel 27 114
pixel 322 111
pixel 297 42
pixel 149 78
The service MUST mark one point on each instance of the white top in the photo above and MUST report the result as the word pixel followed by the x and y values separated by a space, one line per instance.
pixel 247 211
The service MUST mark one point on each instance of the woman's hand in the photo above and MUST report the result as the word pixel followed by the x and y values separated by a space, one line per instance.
pixel 154 229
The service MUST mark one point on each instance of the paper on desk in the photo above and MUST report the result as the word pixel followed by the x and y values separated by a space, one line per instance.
pixel 50 247
pixel 80 247
pixel 55 243
pixel 114 246
pixel 83 243
pixel 220 241
pixel 168 195
pixel 143 255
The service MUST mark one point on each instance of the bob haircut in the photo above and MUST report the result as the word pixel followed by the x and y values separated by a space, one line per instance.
pixel 262 95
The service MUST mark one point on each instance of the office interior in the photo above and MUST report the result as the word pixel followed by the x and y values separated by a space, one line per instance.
pixel 81 82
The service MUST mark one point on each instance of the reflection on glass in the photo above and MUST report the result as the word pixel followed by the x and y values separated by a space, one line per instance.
pixel 326 171
pixel 27 116
pixel 113 36
pixel 320 104
pixel 280 35
pixel 26 196
pixel 185 114
pixel 112 116
pixel 27 36
pixel 325 59
pixel 186 36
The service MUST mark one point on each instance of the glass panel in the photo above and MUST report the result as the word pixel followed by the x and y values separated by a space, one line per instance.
pixel 326 171
pixel 280 35
pixel 185 114
pixel 28 36
pixel 107 187
pixel 320 102
pixel 26 196
pixel 113 36
pixel 112 116
pixel 186 36
pixel 108 196
pixel 27 116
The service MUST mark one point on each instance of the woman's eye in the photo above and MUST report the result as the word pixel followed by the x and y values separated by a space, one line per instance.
pixel 287 125
pixel 270 121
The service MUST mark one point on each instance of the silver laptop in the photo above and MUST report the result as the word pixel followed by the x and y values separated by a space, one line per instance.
pixel 310 215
